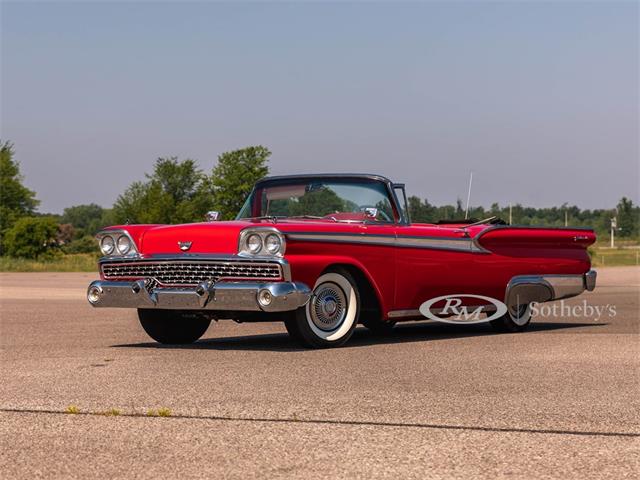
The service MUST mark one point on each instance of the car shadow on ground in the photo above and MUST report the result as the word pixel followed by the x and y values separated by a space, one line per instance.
pixel 410 332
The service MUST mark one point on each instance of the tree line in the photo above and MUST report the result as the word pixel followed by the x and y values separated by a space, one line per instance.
pixel 626 213
pixel 176 191
pixel 179 191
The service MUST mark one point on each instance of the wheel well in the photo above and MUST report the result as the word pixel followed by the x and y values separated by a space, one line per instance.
pixel 368 297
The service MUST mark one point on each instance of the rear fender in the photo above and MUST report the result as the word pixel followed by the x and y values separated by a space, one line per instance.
pixel 501 237
pixel 549 246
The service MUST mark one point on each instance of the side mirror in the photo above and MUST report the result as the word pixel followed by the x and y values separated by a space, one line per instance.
pixel 371 213
pixel 212 216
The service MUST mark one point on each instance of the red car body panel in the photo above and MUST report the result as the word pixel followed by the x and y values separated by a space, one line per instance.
pixel 402 271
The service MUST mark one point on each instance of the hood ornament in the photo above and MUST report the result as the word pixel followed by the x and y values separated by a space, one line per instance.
pixel 184 246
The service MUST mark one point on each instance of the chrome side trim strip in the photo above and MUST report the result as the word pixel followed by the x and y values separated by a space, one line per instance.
pixel 401 241
pixel 404 313
pixel 410 241
pixel 416 313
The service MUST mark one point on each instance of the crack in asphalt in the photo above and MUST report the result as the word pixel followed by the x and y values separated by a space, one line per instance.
pixel 365 423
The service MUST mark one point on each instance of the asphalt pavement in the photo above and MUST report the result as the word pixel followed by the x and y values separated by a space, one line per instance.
pixel 428 401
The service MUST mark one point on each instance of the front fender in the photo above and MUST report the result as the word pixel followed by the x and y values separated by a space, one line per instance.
pixel 307 268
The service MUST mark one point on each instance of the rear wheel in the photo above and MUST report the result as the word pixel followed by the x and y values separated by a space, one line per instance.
pixel 516 319
pixel 172 326
pixel 331 315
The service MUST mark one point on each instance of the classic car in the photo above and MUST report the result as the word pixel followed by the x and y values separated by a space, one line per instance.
pixel 323 253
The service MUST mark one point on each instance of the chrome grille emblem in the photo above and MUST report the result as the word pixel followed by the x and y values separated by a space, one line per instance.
pixel 184 246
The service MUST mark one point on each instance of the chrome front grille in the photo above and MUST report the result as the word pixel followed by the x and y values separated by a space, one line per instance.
pixel 192 272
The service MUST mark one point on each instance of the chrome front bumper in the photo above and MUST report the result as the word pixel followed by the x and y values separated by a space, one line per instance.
pixel 525 289
pixel 223 296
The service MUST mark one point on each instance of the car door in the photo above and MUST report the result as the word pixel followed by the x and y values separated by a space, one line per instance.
pixel 430 261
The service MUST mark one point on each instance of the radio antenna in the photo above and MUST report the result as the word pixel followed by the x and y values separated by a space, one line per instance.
pixel 466 212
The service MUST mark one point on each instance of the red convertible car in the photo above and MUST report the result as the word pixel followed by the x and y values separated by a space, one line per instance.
pixel 325 252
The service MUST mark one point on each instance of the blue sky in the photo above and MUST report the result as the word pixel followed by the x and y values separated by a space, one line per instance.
pixel 540 100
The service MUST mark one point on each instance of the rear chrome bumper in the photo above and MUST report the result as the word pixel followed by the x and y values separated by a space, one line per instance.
pixel 546 288
pixel 223 296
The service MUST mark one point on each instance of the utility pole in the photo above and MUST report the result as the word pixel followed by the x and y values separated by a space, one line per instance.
pixel 510 215
pixel 566 219
pixel 614 225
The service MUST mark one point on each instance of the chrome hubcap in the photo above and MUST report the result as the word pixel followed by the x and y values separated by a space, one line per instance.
pixel 328 306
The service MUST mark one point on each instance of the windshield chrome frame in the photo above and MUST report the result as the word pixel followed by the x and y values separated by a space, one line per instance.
pixel 398 216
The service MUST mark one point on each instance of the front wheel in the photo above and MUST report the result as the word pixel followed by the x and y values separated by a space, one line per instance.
pixel 331 314
pixel 515 320
pixel 173 327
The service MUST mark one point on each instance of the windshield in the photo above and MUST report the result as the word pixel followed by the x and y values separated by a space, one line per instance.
pixel 332 200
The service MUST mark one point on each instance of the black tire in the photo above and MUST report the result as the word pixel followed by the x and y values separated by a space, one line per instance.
pixel 513 321
pixel 331 315
pixel 379 327
pixel 173 327
pixel 291 324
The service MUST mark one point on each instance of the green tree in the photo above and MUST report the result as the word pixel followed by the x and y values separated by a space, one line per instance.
pixel 176 192
pixel 627 218
pixel 86 219
pixel 234 176
pixel 416 210
pixel 16 200
pixel 319 202
pixel 32 237
pixel 86 244
pixel 421 211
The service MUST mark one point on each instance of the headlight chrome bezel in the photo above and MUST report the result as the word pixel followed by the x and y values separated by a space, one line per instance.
pixel 107 244
pixel 254 243
pixel 263 233
pixel 116 236
pixel 278 243
pixel 123 244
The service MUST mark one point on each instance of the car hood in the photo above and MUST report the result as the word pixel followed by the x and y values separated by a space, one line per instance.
pixel 216 237
pixel 211 237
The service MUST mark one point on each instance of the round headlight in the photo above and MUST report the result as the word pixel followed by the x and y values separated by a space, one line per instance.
pixel 107 245
pixel 124 244
pixel 272 243
pixel 254 243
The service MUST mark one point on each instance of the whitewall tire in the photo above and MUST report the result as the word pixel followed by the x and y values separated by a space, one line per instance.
pixel 331 314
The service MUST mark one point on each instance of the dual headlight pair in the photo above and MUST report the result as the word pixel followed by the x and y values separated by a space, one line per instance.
pixel 253 242
pixel 116 243
pixel 261 241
